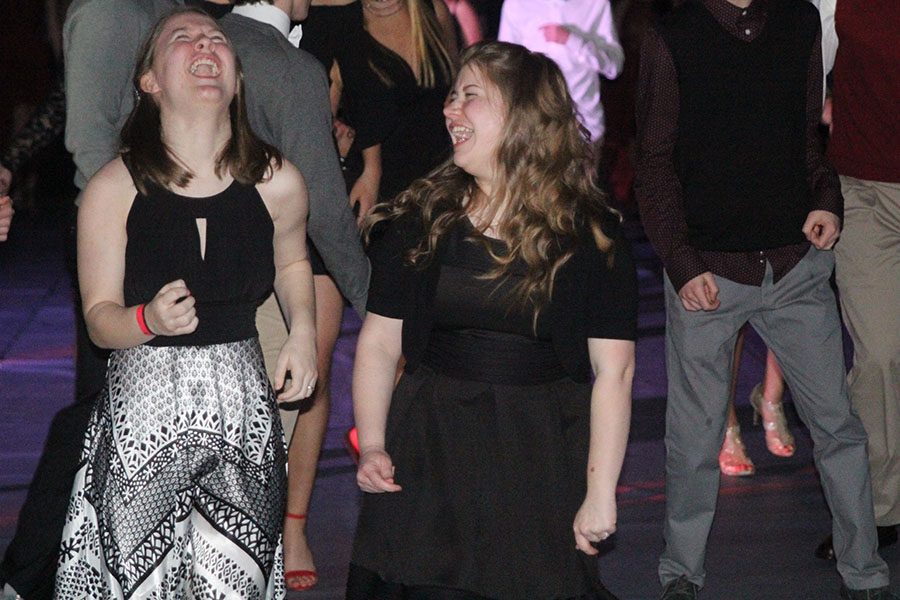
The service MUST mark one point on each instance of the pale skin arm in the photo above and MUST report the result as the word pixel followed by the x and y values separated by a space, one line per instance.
pixel 101 269
pixel 613 365
pixel 285 197
pixel 343 135
pixel 377 355
pixel 336 88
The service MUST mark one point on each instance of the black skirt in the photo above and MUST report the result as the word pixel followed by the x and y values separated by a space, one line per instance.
pixel 492 478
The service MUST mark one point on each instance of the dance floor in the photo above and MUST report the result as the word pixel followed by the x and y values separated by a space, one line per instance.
pixel 760 547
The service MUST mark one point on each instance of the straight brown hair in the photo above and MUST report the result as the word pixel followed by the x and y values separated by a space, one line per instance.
pixel 245 157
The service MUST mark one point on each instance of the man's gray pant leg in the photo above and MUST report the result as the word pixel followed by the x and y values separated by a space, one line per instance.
pixel 799 322
pixel 699 353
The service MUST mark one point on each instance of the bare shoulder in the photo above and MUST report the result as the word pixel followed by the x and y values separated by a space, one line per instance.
pixel 285 190
pixel 284 180
pixel 110 190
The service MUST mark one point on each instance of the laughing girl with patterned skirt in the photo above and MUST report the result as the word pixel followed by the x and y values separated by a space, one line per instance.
pixel 181 489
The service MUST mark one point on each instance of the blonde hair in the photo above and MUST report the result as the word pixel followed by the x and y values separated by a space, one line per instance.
pixel 433 64
pixel 546 184
pixel 430 49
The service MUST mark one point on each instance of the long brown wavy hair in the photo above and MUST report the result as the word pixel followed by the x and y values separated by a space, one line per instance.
pixel 546 182
pixel 247 158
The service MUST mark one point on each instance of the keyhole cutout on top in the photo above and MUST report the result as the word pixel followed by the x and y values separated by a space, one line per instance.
pixel 201 232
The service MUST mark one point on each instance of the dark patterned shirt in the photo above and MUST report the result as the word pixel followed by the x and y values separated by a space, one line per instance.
pixel 45 125
pixel 657 188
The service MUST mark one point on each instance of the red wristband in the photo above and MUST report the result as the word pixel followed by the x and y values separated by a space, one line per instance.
pixel 142 323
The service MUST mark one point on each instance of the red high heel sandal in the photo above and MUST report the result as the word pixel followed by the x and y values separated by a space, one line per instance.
pixel 299 580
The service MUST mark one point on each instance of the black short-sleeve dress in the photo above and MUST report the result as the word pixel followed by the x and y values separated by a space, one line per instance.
pixel 489 436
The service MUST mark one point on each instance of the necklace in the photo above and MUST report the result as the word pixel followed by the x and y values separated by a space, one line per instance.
pixel 382 8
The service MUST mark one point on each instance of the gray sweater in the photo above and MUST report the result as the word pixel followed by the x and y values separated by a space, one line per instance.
pixel 101 40
pixel 287 102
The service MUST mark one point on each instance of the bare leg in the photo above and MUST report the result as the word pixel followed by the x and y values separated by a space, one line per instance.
pixel 766 400
pixel 773 380
pixel 733 459
pixel 732 415
pixel 735 369
pixel 309 431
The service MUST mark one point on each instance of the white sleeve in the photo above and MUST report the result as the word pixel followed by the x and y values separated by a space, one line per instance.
pixel 508 31
pixel 829 33
pixel 599 49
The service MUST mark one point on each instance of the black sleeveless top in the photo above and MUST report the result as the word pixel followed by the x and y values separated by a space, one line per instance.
pixel 229 282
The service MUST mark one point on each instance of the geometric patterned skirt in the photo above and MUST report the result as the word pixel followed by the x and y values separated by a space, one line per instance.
pixel 181 488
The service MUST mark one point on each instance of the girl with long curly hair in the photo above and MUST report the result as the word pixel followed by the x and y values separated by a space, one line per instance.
pixel 503 279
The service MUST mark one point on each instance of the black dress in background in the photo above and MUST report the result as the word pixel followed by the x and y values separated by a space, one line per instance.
pixel 381 99
pixel 489 437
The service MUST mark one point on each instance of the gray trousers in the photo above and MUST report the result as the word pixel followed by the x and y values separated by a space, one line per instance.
pixel 798 320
